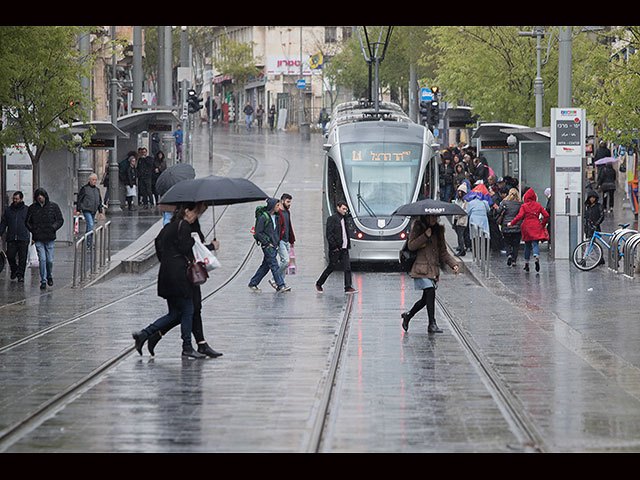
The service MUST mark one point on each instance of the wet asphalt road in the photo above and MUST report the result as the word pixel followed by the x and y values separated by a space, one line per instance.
pixel 563 343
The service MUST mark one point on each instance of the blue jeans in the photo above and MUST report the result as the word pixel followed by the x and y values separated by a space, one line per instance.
pixel 284 252
pixel 179 308
pixel 528 246
pixel 90 220
pixel 249 119
pixel 45 258
pixel 269 262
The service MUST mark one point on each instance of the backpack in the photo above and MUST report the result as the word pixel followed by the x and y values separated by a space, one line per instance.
pixel 260 211
pixel 406 257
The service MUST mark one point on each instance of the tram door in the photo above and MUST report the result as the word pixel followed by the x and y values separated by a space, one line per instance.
pixel 335 189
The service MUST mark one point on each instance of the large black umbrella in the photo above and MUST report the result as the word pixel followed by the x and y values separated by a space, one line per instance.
pixel 214 190
pixel 429 207
pixel 172 175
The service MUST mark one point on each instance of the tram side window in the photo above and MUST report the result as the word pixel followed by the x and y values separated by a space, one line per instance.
pixel 335 190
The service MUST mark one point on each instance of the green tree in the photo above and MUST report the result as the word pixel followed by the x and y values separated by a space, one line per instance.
pixel 236 60
pixel 40 91
pixel 612 80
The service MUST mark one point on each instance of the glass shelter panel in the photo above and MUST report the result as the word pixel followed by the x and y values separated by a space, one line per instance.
pixel 535 166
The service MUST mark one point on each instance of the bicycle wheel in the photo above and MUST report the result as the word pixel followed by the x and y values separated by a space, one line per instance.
pixel 586 256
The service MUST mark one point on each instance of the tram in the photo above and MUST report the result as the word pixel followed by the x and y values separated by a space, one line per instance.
pixel 376 159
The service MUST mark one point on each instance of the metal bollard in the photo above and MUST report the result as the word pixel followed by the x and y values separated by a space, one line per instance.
pixel 630 248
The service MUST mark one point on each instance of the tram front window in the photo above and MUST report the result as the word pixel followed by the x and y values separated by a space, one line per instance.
pixel 380 177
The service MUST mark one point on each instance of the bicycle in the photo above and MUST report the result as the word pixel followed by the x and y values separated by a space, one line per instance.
pixel 588 254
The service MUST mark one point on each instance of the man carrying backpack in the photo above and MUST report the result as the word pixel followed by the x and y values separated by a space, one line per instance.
pixel 267 234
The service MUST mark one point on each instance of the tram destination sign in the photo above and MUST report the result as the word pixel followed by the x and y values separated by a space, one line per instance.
pixel 396 153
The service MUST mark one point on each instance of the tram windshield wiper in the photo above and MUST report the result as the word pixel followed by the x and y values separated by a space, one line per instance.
pixel 364 202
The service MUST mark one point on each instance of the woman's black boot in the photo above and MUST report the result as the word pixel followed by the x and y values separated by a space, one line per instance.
pixel 433 327
pixel 153 341
pixel 208 351
pixel 405 320
pixel 140 337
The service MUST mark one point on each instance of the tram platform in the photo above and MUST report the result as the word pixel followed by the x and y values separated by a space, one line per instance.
pixel 562 346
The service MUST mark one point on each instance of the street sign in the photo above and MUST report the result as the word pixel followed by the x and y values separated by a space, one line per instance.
pixel 302 83
pixel 567 132
pixel 426 95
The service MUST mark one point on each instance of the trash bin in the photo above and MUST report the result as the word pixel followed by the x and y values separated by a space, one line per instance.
pixel 305 131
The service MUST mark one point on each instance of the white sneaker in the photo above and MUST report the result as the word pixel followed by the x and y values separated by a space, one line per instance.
pixel 254 289
pixel 284 289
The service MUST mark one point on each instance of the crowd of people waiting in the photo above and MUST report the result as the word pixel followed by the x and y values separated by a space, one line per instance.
pixel 138 173
pixel 494 205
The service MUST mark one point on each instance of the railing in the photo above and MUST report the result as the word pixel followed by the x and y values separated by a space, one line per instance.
pixel 480 247
pixel 613 261
pixel 99 254
pixel 629 254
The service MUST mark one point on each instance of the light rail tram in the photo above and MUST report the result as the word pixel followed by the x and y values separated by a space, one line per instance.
pixel 376 159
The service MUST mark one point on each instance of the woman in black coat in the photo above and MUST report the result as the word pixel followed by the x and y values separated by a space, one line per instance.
pixel 174 249
pixel 197 328
pixel 509 208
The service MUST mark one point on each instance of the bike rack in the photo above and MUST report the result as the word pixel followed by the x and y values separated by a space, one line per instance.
pixel 480 247
pixel 630 248
pixel 100 254
pixel 613 262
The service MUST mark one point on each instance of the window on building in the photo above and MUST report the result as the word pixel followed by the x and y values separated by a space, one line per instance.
pixel 330 34
pixel 346 33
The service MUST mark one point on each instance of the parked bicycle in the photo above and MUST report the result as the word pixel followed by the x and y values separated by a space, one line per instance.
pixel 588 254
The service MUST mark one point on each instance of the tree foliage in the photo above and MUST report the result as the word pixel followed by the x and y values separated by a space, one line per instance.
pixel 40 90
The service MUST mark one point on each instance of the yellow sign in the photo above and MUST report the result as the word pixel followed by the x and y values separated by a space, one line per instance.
pixel 316 61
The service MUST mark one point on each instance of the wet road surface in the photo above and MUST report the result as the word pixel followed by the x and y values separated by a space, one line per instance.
pixel 567 355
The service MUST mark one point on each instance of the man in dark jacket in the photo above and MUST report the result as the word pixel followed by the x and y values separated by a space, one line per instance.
pixel 267 235
pixel 339 245
pixel 13 221
pixel 145 174
pixel 44 218
pixel 89 203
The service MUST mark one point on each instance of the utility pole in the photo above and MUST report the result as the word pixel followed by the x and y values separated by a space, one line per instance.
pixel 114 171
pixel 137 67
pixel 538 84
pixel 564 67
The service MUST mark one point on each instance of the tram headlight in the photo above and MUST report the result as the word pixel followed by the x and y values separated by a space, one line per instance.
pixel 359 235
pixel 403 235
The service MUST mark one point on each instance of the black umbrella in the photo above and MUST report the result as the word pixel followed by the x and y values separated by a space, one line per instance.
pixel 214 190
pixel 429 207
pixel 172 175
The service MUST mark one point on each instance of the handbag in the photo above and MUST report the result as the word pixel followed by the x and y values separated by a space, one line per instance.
pixel 197 273
pixel 132 191
pixel 33 260
pixel 203 255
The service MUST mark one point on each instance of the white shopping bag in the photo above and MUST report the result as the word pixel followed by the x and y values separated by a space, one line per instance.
pixel 203 254
pixel 33 256
pixel 132 191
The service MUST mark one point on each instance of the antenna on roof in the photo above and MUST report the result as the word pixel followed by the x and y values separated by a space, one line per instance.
pixel 373 55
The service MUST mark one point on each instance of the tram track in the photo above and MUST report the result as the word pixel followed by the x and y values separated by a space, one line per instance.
pixel 33 419
pixel 526 432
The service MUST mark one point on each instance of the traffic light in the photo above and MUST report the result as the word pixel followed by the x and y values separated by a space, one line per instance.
pixel 434 113
pixel 194 102
pixel 425 108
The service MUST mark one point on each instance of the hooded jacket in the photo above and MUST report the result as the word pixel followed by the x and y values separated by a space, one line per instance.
pixel 43 220
pixel 532 228
pixel 266 232
pixel 461 220
pixel 593 213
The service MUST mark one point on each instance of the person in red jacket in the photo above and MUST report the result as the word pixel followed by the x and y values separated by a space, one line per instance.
pixel 532 228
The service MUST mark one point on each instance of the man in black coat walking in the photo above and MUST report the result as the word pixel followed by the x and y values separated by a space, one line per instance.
pixel 44 218
pixel 339 245
pixel 13 221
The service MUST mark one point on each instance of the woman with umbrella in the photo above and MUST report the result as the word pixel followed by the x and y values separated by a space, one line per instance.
pixel 174 248
pixel 427 239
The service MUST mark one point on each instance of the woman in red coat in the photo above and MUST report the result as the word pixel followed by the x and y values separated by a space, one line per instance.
pixel 533 228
